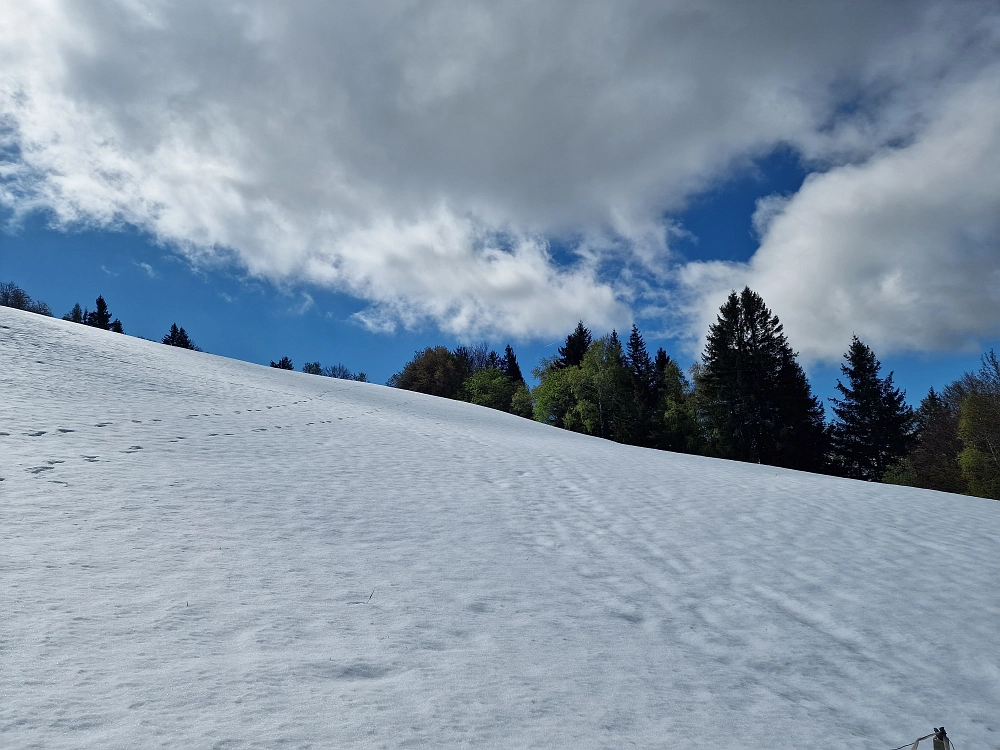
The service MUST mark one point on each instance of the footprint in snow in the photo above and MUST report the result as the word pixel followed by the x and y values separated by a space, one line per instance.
pixel 102 424
pixel 38 469
pixel 90 459
pixel 132 449
pixel 64 430
pixel 4 434
pixel 35 434
pixel 259 429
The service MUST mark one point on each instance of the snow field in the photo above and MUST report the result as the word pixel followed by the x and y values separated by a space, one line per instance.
pixel 188 545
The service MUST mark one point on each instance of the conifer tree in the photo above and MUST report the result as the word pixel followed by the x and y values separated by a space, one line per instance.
pixel 874 427
pixel 102 317
pixel 571 353
pixel 753 397
pixel 283 364
pixel 674 426
pixel 642 369
pixel 178 337
pixel 510 367
pixel 75 315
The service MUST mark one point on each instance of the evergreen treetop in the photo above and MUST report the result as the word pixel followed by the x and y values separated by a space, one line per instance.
pixel 572 352
pixel 178 337
pixel 753 396
pixel 874 425
pixel 510 367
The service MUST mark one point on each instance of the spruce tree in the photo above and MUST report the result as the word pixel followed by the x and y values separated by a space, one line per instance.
pixel 753 396
pixel 874 424
pixel 571 353
pixel 510 367
pixel 283 364
pixel 645 393
pixel 178 337
pixel 75 315
pixel 642 369
pixel 102 317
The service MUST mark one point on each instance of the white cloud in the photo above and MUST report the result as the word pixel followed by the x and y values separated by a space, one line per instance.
pixel 416 154
pixel 902 250
pixel 150 271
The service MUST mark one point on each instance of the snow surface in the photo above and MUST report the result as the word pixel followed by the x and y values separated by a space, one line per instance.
pixel 198 552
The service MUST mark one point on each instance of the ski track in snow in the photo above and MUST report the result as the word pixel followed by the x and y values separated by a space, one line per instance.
pixel 200 552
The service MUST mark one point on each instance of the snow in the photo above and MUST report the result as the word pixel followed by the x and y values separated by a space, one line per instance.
pixel 204 553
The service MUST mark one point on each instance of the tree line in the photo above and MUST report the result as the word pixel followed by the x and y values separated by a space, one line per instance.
pixel 11 295
pixel 747 399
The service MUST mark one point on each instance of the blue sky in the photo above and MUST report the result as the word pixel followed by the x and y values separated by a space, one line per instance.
pixel 350 183
pixel 149 286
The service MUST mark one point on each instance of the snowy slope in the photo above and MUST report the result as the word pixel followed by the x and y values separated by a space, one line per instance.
pixel 188 546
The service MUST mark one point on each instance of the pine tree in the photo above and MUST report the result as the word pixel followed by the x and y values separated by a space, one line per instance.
pixel 752 395
pixel 283 364
pixel 510 367
pixel 642 369
pixel 75 315
pixel 571 353
pixel 645 393
pixel 178 337
pixel 102 318
pixel 875 425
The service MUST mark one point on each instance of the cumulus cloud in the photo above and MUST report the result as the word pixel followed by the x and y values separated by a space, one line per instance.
pixel 421 155
pixel 902 249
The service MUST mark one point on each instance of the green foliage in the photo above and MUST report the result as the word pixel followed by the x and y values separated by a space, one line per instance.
pixel 753 397
pixel 902 472
pixel 603 391
pixel 490 387
pixel 875 425
pixel 554 395
pixel 675 424
pixel 283 364
pixel 435 371
pixel 312 368
pixel 11 295
pixel 178 337
pixel 933 461
pixel 521 404
pixel 979 431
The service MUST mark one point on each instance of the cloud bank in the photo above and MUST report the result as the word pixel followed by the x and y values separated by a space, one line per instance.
pixel 421 155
